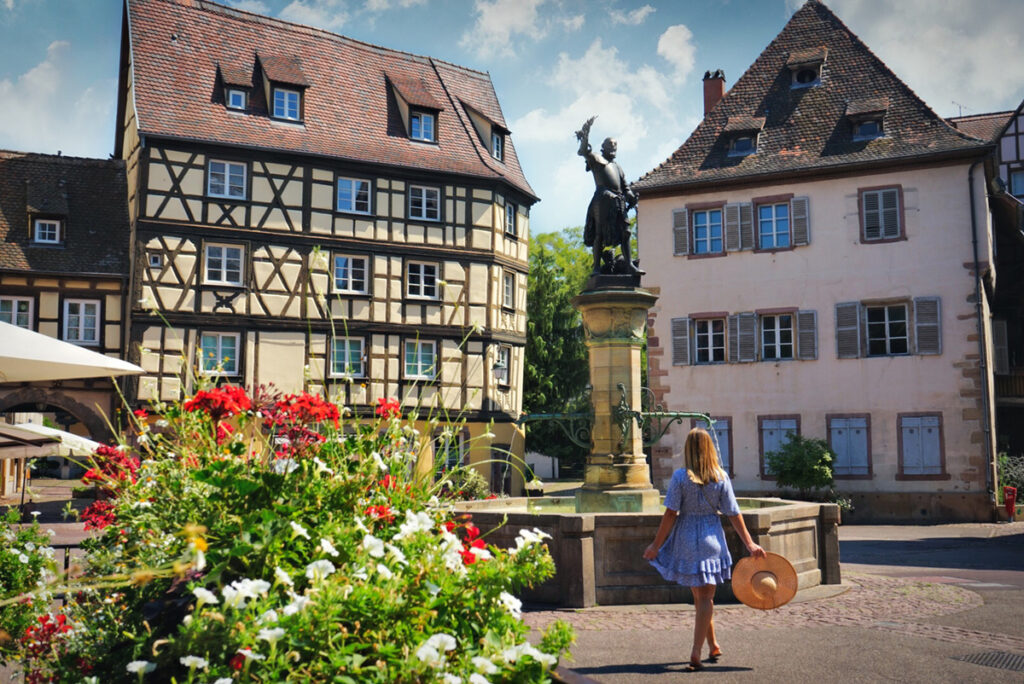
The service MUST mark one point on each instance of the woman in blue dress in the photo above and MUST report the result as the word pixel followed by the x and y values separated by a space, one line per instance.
pixel 690 546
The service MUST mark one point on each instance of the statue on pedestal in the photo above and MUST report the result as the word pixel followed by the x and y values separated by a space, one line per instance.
pixel 607 223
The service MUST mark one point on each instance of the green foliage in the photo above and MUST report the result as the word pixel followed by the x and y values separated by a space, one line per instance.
pixel 466 484
pixel 1011 473
pixel 26 564
pixel 803 463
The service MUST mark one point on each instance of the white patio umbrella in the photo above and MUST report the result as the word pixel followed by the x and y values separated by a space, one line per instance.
pixel 70 442
pixel 27 356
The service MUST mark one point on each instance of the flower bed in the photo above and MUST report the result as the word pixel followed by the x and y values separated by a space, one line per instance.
pixel 252 538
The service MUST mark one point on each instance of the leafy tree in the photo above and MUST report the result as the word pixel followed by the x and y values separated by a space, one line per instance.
pixel 803 463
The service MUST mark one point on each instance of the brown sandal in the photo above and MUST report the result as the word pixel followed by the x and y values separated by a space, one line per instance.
pixel 694 666
pixel 715 655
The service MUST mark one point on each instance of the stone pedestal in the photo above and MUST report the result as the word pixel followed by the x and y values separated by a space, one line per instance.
pixel 616 475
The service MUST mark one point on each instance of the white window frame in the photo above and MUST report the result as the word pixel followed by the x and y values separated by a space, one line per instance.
pixel 229 99
pixel 421 280
pixel 706 342
pixel 505 357
pixel 223 258
pixel 351 282
pixel 42 229
pixel 420 129
pixel 218 359
pixel 772 222
pixel 497 146
pixel 773 324
pixel 508 290
pixel 343 344
pixel 510 219
pixel 420 369
pixel 156 260
pixel 12 316
pixel 709 240
pixel 281 110
pixel 227 170
pixel 80 328
pixel 354 188
pixel 888 338
pixel 419 197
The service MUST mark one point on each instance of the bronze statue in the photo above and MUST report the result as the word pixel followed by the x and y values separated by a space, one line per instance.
pixel 607 223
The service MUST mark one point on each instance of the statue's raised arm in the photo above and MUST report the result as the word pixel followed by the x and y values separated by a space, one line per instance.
pixel 583 135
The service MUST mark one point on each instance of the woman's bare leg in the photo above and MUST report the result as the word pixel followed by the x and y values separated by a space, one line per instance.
pixel 713 647
pixel 703 602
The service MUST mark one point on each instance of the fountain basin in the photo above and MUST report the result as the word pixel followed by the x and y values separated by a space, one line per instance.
pixel 598 556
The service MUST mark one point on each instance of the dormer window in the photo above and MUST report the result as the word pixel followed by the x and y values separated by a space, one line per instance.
pixel 866 116
pixel 743 145
pixel 47 232
pixel 867 130
pixel 236 80
pixel 421 126
pixel 497 145
pixel 287 104
pixel 742 132
pixel 285 85
pixel 236 98
pixel 805 66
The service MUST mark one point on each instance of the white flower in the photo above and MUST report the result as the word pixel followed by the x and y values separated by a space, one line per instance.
pixel 200 561
pixel 283 466
pixel 360 526
pixel 298 529
pixel 384 571
pixel 432 588
pixel 271 635
pixel 191 661
pixel 36 514
pixel 373 546
pixel 328 547
pixel 22 558
pixel 381 465
pixel 429 655
pixel 511 603
pixel 360 573
pixel 143 439
pixel 29 546
pixel 162 423
pixel 489 435
pixel 236 593
pixel 449 678
pixel 321 467
pixel 481 554
pixel 397 554
pixel 528 538
pixel 269 616
pixel 484 665
pixel 298 604
pixel 249 655
pixel 140 666
pixel 318 570
pixel 415 522
pixel 187 620
pixel 205 596
pixel 142 504
pixel 224 680
pixel 442 641
pixel 514 653
pixel 282 577
pixel 534 484
pixel 478 679
pixel 232 597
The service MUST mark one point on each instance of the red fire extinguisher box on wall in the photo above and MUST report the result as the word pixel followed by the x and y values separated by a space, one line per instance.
pixel 1010 500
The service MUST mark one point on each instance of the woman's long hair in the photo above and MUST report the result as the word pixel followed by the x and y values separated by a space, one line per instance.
pixel 702 458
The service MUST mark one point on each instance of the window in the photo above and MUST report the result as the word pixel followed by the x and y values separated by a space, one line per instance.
pixel 773 226
pixel 354 195
pixel 421 126
pixel 287 104
pixel 47 231
pixel 501 468
pixel 422 279
pixel 424 203
pixel 223 265
pixel 449 451
pixel 707 231
pixel 774 432
pixel 709 336
pixel 350 274
pixel 867 130
pixel 921 445
pixel 887 330
pixel 807 76
pixel 881 214
pixel 497 146
pixel 219 353
pixel 226 179
pixel 156 261
pixel 16 311
pixel 236 98
pixel 505 359
pixel 510 219
pixel 508 294
pixel 419 360
pixel 743 145
pixel 1017 183
pixel 721 433
pixel 347 357
pixel 850 443
pixel 777 337
pixel 82 321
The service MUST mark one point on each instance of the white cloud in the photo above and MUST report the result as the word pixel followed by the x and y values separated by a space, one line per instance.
pixel 45 109
pixel 573 23
pixel 676 46
pixel 9 4
pixel 254 6
pixel 326 14
pixel 498 22
pixel 634 18
pixel 384 5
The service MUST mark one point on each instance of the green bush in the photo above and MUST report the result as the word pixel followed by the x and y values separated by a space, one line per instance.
pixel 803 463
pixel 26 565
pixel 1011 473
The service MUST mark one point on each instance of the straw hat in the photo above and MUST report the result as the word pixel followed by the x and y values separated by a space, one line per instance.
pixel 764 583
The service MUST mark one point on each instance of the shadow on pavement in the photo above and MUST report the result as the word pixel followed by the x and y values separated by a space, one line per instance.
pixel 653 669
pixel 996 553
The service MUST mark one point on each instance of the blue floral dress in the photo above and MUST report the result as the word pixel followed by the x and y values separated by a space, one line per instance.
pixel 695 553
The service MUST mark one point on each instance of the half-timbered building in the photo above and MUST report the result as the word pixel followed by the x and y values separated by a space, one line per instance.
pixel 316 213
pixel 64 273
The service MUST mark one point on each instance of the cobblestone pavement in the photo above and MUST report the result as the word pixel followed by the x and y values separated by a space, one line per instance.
pixel 890 604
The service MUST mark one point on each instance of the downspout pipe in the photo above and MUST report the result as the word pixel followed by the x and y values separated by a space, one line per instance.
pixel 986 409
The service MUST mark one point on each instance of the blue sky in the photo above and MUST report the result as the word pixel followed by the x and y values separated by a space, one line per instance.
pixel 638 65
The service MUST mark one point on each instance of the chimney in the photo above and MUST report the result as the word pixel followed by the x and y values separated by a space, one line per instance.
pixel 714 89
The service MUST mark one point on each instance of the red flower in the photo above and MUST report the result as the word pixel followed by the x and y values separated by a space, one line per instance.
pixel 388 408
pixel 140 414
pixel 303 408
pixel 388 482
pixel 472 531
pixel 237 662
pixel 98 515
pixel 380 513
pixel 223 432
pixel 220 402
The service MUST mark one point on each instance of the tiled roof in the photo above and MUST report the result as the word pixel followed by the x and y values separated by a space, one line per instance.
pixel 806 128
pixel 414 91
pixel 232 74
pixel 744 124
pixel 982 126
pixel 349 112
pixel 283 69
pixel 89 195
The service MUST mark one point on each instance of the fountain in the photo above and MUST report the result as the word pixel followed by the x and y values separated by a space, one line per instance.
pixel 597 537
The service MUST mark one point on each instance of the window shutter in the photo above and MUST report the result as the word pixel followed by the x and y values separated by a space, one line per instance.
pixel 848 330
pixel 871 215
pixel 928 325
pixel 807 335
pixel 1000 344
pixel 748 337
pixel 799 211
pixel 732 227
pixel 890 213
pixel 680 232
pixel 680 341
pixel 746 226
pixel 734 338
